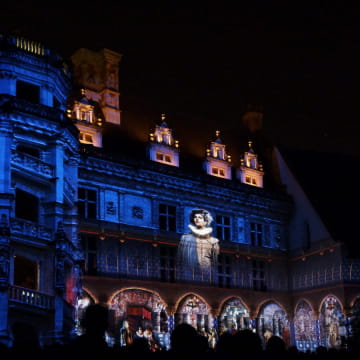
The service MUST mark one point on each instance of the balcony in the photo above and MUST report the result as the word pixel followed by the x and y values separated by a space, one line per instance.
pixel 346 272
pixel 32 164
pixel 30 229
pixel 30 297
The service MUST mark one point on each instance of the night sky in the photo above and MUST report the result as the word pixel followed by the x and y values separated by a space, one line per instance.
pixel 203 65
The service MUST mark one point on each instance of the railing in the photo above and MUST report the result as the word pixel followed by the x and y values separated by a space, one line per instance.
pixel 345 272
pixel 33 164
pixel 31 297
pixel 147 268
pixel 29 45
pixel 29 228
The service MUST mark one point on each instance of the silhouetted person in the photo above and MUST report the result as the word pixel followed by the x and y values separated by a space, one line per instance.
pixel 224 344
pixel 25 340
pixel 95 323
pixel 321 352
pixel 293 353
pixel 139 346
pixel 185 340
pixel 275 348
pixel 248 344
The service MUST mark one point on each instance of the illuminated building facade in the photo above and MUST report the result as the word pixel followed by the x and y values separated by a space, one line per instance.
pixel 89 215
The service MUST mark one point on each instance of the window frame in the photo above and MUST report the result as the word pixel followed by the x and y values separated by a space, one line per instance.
pixel 167 220
pixel 87 203
pixel 223 230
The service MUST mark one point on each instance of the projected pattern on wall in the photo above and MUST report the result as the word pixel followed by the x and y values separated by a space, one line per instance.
pixel 331 323
pixel 305 327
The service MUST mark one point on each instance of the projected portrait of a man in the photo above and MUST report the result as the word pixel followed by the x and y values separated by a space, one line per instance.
pixel 198 248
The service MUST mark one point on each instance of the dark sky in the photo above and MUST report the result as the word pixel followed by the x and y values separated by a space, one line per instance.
pixel 202 65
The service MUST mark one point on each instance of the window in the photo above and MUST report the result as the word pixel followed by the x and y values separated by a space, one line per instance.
pixel 250 180
pixel 85 115
pixel 167 264
pixel 29 150
pixel 25 273
pixel 163 157
pixel 224 271
pixel 307 236
pixel 218 171
pixel 26 206
pixel 87 203
pixel 90 245
pixel 167 217
pixel 56 103
pixel 256 234
pixel 86 138
pixel 27 91
pixel 258 275
pixel 223 227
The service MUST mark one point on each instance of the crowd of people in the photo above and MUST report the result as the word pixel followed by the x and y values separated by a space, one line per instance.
pixel 185 342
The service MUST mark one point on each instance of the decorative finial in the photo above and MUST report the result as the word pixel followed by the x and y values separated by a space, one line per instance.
pixel 250 143
pixel 163 117
pixel 83 91
pixel 217 133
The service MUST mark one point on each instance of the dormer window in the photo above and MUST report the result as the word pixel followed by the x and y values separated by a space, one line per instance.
pixel 88 120
pixel 250 171
pixel 217 162
pixel 162 147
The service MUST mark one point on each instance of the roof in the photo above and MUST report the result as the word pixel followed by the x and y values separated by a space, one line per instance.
pixel 331 182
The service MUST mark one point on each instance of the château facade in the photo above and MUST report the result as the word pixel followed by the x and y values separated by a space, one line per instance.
pixel 89 215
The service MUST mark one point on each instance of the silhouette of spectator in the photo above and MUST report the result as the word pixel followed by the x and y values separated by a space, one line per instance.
pixel 248 343
pixel 185 340
pixel 25 339
pixel 139 345
pixel 224 344
pixel 244 342
pixel 275 348
pixel 4 351
pixel 321 353
pixel 95 323
pixel 293 353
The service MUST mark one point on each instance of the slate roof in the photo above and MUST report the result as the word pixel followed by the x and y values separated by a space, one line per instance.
pixel 331 182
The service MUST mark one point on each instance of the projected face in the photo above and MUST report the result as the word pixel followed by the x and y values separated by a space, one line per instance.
pixel 199 221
